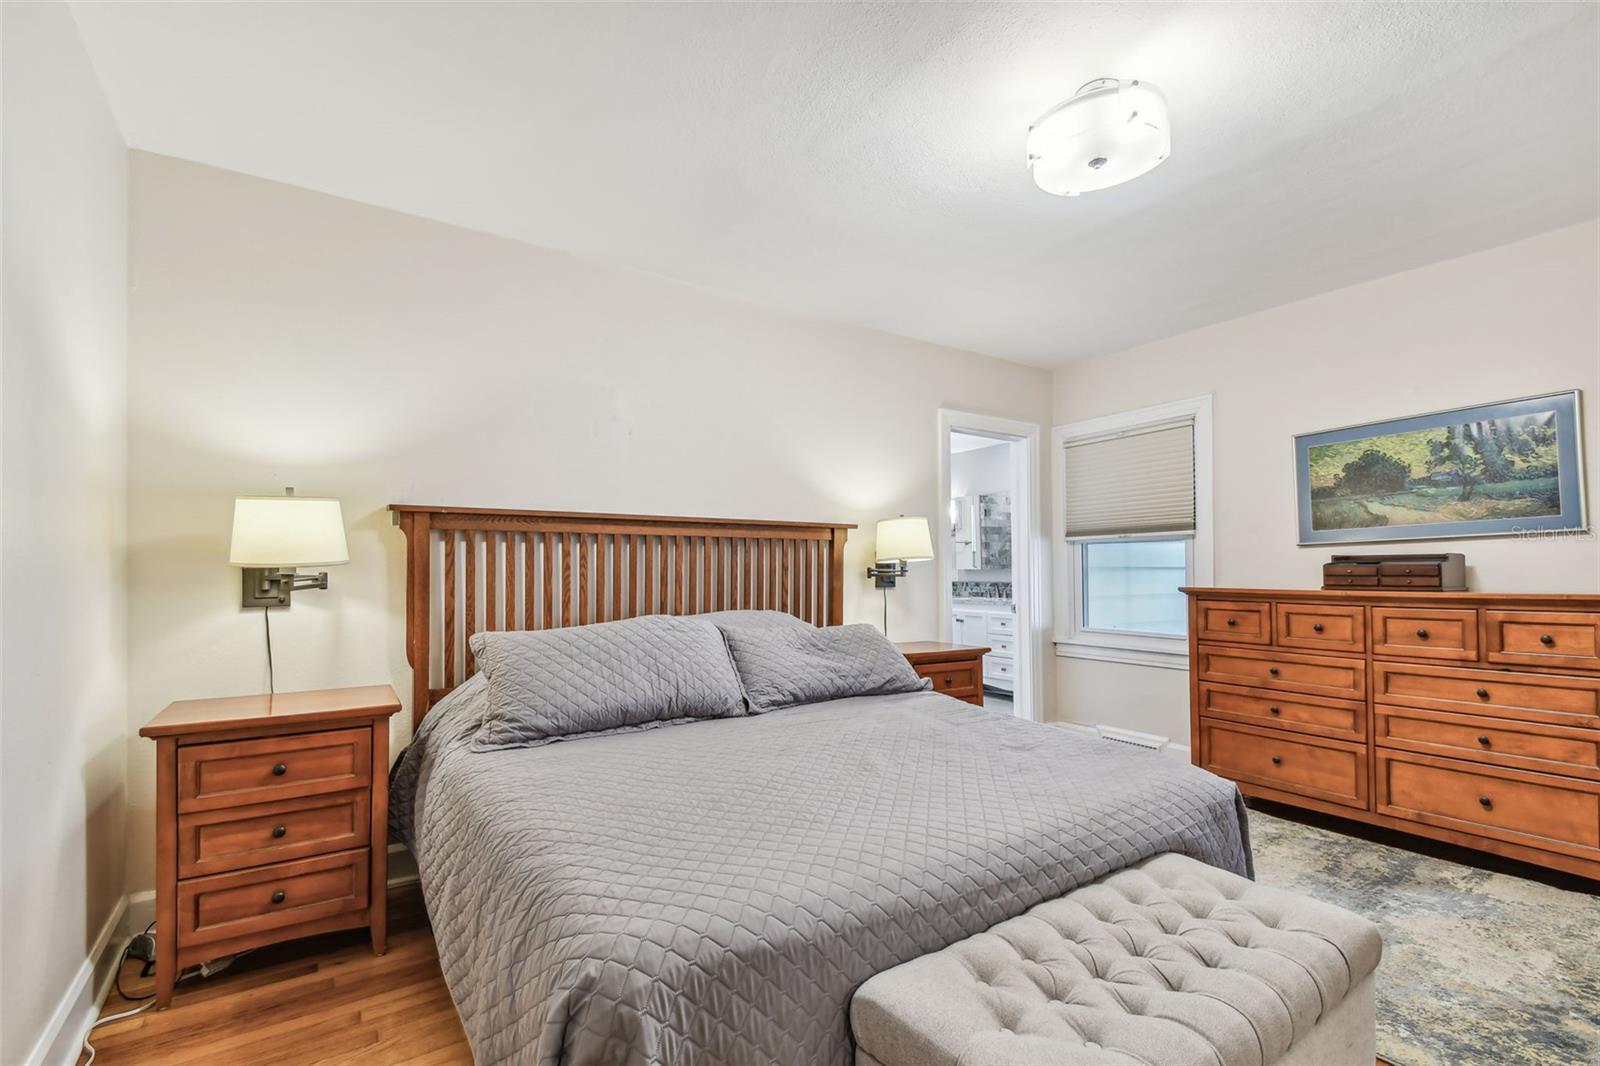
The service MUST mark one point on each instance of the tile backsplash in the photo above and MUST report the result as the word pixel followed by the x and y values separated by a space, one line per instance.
pixel 981 590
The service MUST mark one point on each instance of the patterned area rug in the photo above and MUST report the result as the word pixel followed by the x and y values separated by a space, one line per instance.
pixel 1478 967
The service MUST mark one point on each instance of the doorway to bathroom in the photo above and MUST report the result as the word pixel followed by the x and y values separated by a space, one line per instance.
pixel 989 554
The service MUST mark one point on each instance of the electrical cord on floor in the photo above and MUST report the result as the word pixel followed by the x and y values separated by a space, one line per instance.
pixel 149 999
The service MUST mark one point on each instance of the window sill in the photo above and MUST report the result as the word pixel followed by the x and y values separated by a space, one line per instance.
pixel 1167 660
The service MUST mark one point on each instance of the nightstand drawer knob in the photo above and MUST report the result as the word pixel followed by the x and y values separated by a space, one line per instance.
pixel 280 770
pixel 1484 740
pixel 1483 693
pixel 1485 802
pixel 279 830
pixel 1422 634
pixel 1233 621
pixel 277 897
pixel 948 680
pixel 1273 670
pixel 1273 709
pixel 1316 627
pixel 1547 640
pixel 1277 760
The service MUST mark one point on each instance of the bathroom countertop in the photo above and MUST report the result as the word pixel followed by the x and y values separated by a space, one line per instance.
pixel 976 602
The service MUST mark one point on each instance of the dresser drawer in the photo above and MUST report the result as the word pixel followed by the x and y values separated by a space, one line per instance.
pixel 1533 697
pixel 270 897
pixel 1239 621
pixel 241 772
pixel 1320 769
pixel 1003 647
pixel 1341 678
pixel 230 838
pixel 1425 633
pixel 1543 638
pixel 1002 626
pixel 1003 669
pixel 958 679
pixel 1528 745
pixel 1539 810
pixel 1321 627
pixel 1342 719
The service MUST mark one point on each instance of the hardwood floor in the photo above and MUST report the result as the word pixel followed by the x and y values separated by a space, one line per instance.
pixel 324 999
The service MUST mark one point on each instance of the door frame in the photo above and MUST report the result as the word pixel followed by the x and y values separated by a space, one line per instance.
pixel 1030 584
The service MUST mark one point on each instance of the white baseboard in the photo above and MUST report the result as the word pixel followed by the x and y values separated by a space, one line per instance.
pixel 62 1039
pixel 1158 743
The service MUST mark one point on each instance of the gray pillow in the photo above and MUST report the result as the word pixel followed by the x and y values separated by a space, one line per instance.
pixel 781 666
pixel 546 685
pixel 781 619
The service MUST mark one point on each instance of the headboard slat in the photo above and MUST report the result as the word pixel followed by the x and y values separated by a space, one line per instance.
pixel 625 566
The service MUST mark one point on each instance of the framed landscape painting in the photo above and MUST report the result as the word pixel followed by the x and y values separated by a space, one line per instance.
pixel 1499 469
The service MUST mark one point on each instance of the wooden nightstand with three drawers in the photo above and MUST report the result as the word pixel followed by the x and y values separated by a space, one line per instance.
pixel 955 669
pixel 271 821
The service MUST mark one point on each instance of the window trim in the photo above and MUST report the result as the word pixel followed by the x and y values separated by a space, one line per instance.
pixel 1072 638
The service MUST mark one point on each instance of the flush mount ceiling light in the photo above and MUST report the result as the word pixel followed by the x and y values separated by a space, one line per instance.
pixel 1111 131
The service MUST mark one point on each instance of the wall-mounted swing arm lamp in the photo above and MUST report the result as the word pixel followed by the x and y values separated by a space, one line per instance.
pixel 900 541
pixel 275 535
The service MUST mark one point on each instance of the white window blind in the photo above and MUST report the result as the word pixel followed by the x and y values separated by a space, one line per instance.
pixel 1132 482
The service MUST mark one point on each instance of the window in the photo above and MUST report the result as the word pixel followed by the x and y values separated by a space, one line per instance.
pixel 1133 526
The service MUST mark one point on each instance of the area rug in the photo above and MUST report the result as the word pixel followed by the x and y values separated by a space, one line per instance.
pixel 1478 967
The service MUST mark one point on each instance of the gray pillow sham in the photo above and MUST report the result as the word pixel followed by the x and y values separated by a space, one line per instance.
pixel 781 666
pixel 547 685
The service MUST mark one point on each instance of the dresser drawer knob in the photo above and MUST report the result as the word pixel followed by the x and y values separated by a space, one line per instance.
pixel 1422 634
pixel 1485 802
pixel 1273 709
pixel 1273 670
pixel 277 897
pixel 1316 627
pixel 1547 640
pixel 1483 693
pixel 1277 760
pixel 1484 740
pixel 280 770
pixel 1233 621
pixel 278 831
pixel 1407 570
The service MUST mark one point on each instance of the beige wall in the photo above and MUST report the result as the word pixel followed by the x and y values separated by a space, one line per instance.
pixel 1512 321
pixel 63 362
pixel 284 337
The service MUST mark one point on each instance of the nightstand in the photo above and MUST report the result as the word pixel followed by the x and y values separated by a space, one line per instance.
pixel 955 669
pixel 271 821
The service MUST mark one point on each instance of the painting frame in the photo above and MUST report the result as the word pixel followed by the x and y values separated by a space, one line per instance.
pixel 1570 517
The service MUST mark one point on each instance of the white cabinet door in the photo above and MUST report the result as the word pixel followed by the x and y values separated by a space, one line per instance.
pixel 970 627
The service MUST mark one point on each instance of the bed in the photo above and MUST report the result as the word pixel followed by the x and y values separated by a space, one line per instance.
pixel 715 891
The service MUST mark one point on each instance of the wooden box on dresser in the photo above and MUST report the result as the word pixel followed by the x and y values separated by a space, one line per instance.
pixel 271 821
pixel 1468 717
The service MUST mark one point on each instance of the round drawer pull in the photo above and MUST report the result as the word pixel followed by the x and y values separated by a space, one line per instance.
pixel 1485 802
pixel 1547 640
pixel 280 770
pixel 949 680
pixel 1233 621
pixel 1484 740
pixel 1407 570
pixel 278 831
pixel 1273 709
pixel 1277 760
pixel 1483 693
pixel 277 897
pixel 1316 627
pixel 1422 634
pixel 1408 580
pixel 1273 670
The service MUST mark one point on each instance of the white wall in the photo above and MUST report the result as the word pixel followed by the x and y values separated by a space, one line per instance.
pixel 63 362
pixel 1513 321
pixel 284 337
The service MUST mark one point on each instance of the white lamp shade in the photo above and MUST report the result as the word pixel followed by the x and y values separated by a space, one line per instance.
pixel 284 531
pixel 904 538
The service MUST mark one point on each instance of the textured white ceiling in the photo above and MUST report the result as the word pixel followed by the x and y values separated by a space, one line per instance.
pixel 865 163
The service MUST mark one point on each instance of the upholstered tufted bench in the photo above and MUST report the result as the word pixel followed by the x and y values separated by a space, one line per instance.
pixel 1167 962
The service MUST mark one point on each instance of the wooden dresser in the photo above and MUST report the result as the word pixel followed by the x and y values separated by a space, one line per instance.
pixel 955 669
pixel 271 821
pixel 1472 718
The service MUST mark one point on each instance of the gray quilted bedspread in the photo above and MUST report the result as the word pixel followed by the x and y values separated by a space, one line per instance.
pixel 713 892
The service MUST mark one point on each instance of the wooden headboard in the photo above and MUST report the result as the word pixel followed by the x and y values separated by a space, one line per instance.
pixel 470 569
